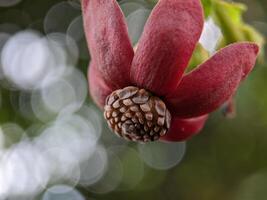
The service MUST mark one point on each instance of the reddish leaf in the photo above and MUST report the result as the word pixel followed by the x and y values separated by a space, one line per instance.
pixel 214 82
pixel 108 41
pixel 166 46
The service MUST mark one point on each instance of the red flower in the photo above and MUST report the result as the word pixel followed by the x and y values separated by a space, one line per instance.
pixel 164 50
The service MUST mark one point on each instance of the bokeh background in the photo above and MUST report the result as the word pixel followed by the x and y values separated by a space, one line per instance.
pixel 55 145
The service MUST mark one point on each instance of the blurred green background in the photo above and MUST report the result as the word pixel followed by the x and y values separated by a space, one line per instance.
pixel 54 144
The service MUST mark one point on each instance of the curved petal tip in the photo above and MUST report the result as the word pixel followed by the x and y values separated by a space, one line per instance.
pixel 183 129
pixel 109 44
pixel 166 45
pixel 211 84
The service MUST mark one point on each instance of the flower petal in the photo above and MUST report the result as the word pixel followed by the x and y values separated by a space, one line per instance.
pixel 99 90
pixel 183 129
pixel 166 45
pixel 214 82
pixel 108 40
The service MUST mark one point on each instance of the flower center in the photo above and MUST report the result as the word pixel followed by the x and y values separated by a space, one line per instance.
pixel 137 115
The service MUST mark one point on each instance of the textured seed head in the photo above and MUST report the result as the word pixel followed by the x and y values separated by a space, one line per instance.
pixel 137 115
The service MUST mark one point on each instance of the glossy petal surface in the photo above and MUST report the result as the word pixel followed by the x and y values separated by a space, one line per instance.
pixel 166 45
pixel 183 129
pixel 214 82
pixel 108 40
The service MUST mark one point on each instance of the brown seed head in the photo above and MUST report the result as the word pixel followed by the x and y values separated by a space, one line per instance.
pixel 137 115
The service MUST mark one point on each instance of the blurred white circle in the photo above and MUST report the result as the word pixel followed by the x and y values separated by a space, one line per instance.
pixel 39 108
pixel 76 31
pixel 3 39
pixel 61 167
pixel 66 42
pixel 69 90
pixel 252 187
pixel 58 95
pixel 8 3
pixel 79 140
pixel 12 50
pixel 88 113
pixel 136 22
pixel 59 17
pixel 58 51
pixel 67 143
pixel 94 168
pixel 91 114
pixel 13 133
pixel 85 134
pixel 133 167
pixel 35 129
pixel 4 187
pixel 19 163
pixel 78 81
pixel 58 60
pixel 162 156
pixel 129 7
pixel 41 172
pixel 75 4
pixel 112 177
pixel 62 192
pixel 26 59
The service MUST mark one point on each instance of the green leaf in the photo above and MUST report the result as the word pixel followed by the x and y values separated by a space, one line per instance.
pixel 234 10
pixel 152 1
pixel 229 17
pixel 207 5
pixel 253 35
pixel 200 55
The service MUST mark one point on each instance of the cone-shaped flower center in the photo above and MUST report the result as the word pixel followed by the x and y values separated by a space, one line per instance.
pixel 137 115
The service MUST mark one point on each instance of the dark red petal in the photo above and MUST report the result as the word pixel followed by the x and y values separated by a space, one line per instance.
pixel 99 90
pixel 183 129
pixel 108 40
pixel 214 82
pixel 166 46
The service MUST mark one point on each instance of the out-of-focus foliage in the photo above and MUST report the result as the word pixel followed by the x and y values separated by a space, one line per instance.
pixel 208 6
pixel 229 17
pixel 200 55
